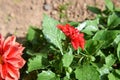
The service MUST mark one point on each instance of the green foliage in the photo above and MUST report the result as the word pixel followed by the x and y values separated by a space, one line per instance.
pixel 89 26
pixel 113 21
pixel 115 75
pixel 35 39
pixel 107 36
pixel 109 5
pixel 118 51
pixel 87 72
pixel 94 9
pixel 110 60
pixel 35 63
pixel 51 32
pixel 31 34
pixel 46 75
pixel 51 56
pixel 95 44
pixel 67 59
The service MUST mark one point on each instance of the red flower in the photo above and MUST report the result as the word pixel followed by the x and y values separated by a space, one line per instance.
pixel 77 38
pixel 10 58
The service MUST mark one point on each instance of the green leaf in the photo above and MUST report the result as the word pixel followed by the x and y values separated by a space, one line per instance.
pixel 94 9
pixel 107 36
pixel 116 40
pixel 86 72
pixel 35 63
pixel 56 78
pixel 66 78
pixel 115 75
pixel 31 34
pixel 104 70
pixel 89 26
pixel 117 9
pixel 113 21
pixel 117 71
pixel 51 32
pixel 74 23
pixel 82 25
pixel 67 59
pixel 34 39
pixel 109 5
pixel 110 60
pixel 111 77
pixel 95 44
pixel 46 75
pixel 118 51
pixel 31 53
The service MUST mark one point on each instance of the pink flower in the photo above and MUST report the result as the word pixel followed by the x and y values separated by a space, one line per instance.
pixel 77 38
pixel 10 58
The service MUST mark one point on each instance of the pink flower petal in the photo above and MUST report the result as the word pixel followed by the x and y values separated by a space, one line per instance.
pixel 10 58
pixel 13 72
pixel 17 62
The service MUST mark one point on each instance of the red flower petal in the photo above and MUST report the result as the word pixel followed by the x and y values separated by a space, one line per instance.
pixel 13 73
pixel 3 72
pixel 77 38
pixel 1 44
pixel 15 50
pixel 17 61
pixel 10 58
pixel 8 42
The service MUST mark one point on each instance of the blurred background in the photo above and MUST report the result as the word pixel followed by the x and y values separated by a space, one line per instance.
pixel 17 15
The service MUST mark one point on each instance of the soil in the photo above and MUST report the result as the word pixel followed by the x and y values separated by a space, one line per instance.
pixel 17 15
